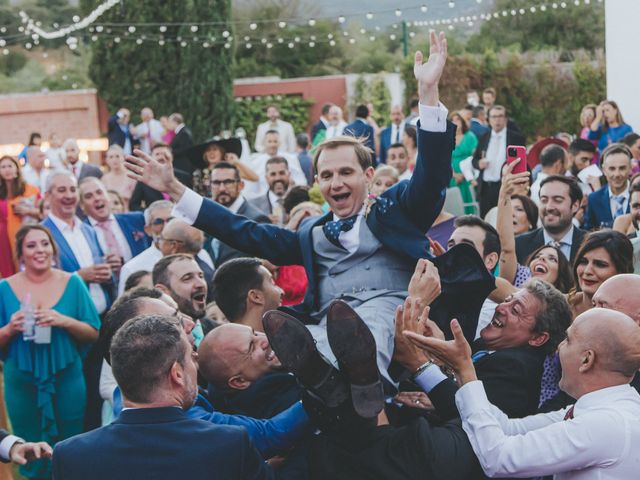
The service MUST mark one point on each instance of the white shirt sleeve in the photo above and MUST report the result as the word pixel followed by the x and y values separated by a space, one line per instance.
pixel 521 447
pixel 108 383
pixel 430 378
pixel 188 207
pixel 433 119
pixel 6 444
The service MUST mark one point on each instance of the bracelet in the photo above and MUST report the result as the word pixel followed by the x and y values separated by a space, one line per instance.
pixel 421 369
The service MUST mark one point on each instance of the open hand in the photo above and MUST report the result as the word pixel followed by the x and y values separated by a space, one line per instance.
pixel 456 353
pixel 409 317
pixel 428 74
pixel 159 176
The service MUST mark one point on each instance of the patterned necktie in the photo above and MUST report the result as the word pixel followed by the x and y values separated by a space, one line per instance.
pixel 569 414
pixel 332 229
pixel 620 201
pixel 113 248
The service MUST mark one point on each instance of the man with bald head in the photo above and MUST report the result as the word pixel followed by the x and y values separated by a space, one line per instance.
pixel 76 166
pixel 597 437
pixel 244 373
pixel 620 293
pixel 35 172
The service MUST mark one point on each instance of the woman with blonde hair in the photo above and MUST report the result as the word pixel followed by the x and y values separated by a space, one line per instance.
pixel 116 179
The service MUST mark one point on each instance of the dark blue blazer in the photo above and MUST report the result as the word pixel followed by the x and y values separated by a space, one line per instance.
pixel 68 260
pixel 598 212
pixel 399 219
pixel 361 129
pixel 160 444
pixel 385 142
pixel 115 135
pixel 132 226
pixel 316 128
pixel 478 128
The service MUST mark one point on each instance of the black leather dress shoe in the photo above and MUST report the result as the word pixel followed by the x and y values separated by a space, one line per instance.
pixel 296 349
pixel 355 348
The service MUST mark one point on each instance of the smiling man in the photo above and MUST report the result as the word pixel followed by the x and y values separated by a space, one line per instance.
pixel 560 198
pixel 362 252
pixel 612 200
pixel 181 278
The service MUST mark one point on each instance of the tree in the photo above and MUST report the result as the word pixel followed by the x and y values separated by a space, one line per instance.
pixel 569 28
pixel 190 79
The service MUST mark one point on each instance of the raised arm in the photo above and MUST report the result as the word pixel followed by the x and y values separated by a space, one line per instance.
pixel 504 224
pixel 276 244
pixel 424 197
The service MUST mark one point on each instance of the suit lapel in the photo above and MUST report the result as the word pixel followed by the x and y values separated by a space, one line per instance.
pixel 68 261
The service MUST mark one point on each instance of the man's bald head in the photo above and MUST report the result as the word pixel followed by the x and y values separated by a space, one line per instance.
pixel 620 293
pixel 602 350
pixel 182 237
pixel 233 356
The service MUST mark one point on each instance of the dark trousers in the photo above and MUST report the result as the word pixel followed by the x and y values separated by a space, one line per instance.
pixel 417 450
pixel 488 196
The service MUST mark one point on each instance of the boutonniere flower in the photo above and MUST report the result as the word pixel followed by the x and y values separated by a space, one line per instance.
pixel 369 203
pixel 383 204
pixel 138 235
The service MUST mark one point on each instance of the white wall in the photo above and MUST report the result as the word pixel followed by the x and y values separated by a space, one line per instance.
pixel 623 58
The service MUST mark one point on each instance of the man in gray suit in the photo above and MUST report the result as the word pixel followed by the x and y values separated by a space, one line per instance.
pixel 226 189
pixel 79 169
pixel 278 177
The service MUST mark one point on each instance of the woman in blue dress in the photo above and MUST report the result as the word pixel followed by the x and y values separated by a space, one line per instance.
pixel 608 127
pixel 45 391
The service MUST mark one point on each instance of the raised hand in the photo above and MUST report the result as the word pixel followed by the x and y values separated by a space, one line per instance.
pixel 428 74
pixel 409 317
pixel 456 353
pixel 157 175
pixel 513 183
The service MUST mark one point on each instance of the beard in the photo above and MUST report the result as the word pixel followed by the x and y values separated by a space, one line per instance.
pixel 185 305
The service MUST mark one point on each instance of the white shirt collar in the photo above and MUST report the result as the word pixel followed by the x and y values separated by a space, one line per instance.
pixel 495 134
pixel 567 239
pixel 62 225
pixel 625 193
pixel 179 127
pixel 601 397
pixel 94 222
pixel 273 198
pixel 237 203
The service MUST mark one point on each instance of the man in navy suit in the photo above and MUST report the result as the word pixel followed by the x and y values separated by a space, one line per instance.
pixel 79 168
pixel 393 133
pixel 612 200
pixel 361 129
pixel 119 132
pixel 322 123
pixel 121 234
pixel 364 252
pixel 156 370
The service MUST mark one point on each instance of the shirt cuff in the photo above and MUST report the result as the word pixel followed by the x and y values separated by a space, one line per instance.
pixel 430 378
pixel 470 398
pixel 433 119
pixel 188 207
pixel 6 444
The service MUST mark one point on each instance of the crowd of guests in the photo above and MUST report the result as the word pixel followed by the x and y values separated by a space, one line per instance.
pixel 296 303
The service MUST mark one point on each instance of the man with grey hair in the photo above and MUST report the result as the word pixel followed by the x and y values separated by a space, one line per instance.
pixel 35 171
pixel 79 168
pixel 77 242
pixel 156 370
pixel 155 217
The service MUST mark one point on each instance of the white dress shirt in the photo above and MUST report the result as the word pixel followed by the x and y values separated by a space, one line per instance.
pixel 565 242
pixel 335 130
pixel 285 131
pixel 535 188
pixel 34 178
pixel 396 133
pixel 600 442
pixel 406 175
pixel 82 251
pixel 123 244
pixel 613 203
pixel 151 130
pixel 432 119
pixel 496 154
pixel 6 444
pixel 57 157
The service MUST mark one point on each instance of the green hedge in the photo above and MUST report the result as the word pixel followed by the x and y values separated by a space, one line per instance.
pixel 252 111
pixel 543 98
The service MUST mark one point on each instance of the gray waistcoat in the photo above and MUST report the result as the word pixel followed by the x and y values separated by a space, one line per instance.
pixel 371 267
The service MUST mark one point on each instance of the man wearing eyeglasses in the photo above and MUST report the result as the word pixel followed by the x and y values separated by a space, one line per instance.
pixel 490 156
pixel 226 189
